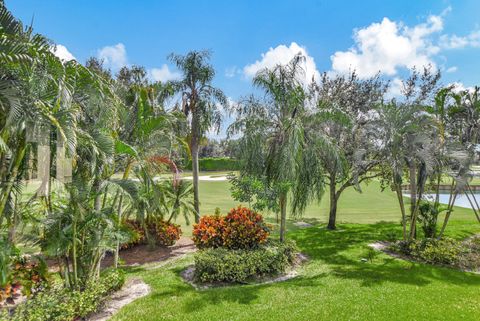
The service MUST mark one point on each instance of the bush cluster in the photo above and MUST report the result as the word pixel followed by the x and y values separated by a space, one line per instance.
pixel 445 251
pixel 470 257
pixel 241 228
pixel 208 233
pixel 61 304
pixel 163 233
pixel 166 234
pixel 225 265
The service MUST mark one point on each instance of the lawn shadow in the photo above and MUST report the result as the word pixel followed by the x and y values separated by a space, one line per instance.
pixel 343 250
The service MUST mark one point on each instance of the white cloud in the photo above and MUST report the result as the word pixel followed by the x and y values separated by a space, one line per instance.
pixel 114 57
pixel 396 88
pixel 283 54
pixel 62 52
pixel 232 72
pixel 457 42
pixel 388 46
pixel 163 74
pixel 451 69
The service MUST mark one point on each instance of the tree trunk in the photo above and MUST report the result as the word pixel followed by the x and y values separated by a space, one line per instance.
pixel 332 218
pixel 447 216
pixel 413 187
pixel 74 252
pixel 398 189
pixel 126 173
pixel 194 151
pixel 117 246
pixel 283 216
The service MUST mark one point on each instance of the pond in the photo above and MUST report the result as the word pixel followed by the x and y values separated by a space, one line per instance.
pixel 461 200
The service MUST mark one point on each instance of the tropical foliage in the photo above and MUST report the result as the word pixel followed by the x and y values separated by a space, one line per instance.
pixel 241 228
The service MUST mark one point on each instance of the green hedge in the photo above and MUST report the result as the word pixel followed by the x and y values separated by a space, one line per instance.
pixel 60 304
pixel 224 265
pixel 216 164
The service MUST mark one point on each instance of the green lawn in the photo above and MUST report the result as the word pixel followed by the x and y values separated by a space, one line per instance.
pixel 370 206
pixel 335 284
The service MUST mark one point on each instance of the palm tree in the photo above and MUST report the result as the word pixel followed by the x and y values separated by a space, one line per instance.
pixel 178 198
pixel 201 103
pixel 402 128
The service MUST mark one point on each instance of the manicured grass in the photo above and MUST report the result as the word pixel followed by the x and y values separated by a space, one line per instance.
pixel 334 285
pixel 370 206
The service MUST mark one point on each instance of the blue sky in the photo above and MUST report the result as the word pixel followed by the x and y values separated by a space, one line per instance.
pixel 244 36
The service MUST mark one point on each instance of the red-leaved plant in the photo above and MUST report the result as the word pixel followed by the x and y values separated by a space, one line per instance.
pixel 241 228
pixel 244 229
pixel 163 233
pixel 208 233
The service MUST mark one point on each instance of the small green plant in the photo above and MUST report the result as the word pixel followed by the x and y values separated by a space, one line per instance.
pixel 428 217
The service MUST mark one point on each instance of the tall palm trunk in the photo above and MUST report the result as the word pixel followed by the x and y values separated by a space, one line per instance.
pixel 332 217
pixel 283 216
pixel 194 151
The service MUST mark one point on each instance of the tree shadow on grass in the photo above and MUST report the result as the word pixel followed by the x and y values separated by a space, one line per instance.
pixel 243 295
pixel 342 250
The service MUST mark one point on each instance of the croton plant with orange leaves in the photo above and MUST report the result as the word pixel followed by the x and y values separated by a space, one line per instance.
pixel 241 228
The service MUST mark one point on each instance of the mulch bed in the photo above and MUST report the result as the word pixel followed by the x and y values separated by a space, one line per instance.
pixel 142 254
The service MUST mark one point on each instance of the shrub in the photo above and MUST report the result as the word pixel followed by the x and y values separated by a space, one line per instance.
pixel 208 233
pixel 163 233
pixel 470 257
pixel 244 229
pixel 136 232
pixel 241 228
pixel 27 275
pixel 224 265
pixel 59 303
pixel 445 251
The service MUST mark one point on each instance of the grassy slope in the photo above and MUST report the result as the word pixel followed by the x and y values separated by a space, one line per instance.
pixel 333 285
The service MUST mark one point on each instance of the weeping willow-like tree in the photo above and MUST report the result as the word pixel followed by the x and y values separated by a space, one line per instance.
pixel 279 143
